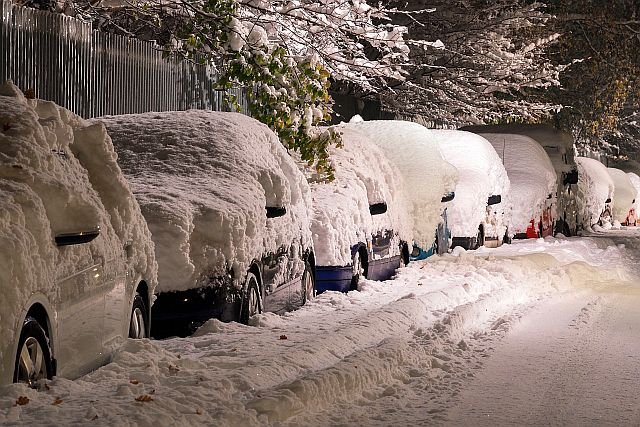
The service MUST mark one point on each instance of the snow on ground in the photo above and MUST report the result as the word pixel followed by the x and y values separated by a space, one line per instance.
pixel 481 174
pixel 595 188
pixel 203 180
pixel 427 176
pixel 395 352
pixel 341 216
pixel 531 174
pixel 624 195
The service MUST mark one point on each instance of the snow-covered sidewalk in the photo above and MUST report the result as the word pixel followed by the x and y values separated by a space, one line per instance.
pixel 395 351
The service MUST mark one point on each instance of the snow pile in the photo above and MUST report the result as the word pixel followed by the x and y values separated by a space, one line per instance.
pixel 341 217
pixel 531 174
pixel 58 174
pixel 342 358
pixel 203 180
pixel 481 174
pixel 426 175
pixel 624 195
pixel 635 181
pixel 596 187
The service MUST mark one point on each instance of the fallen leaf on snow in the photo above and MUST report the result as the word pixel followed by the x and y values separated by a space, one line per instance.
pixel 134 382
pixel 22 400
pixel 57 401
pixel 144 398
pixel 283 337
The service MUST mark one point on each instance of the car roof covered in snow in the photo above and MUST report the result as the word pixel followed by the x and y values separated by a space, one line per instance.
pixel 341 217
pixel 558 144
pixel 426 175
pixel 204 179
pixel 595 187
pixel 58 174
pixel 624 194
pixel 531 174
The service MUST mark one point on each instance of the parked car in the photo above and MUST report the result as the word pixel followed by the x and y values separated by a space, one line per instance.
pixel 561 151
pixel 624 196
pixel 632 218
pixel 77 267
pixel 360 223
pixel 228 210
pixel 429 179
pixel 477 216
pixel 595 193
pixel 533 178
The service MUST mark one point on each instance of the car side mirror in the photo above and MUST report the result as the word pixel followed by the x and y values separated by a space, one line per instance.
pixel 448 197
pixel 494 200
pixel 377 208
pixel 276 211
pixel 608 200
pixel 549 196
pixel 571 177
pixel 67 239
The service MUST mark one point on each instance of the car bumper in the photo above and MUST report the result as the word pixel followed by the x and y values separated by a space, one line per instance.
pixel 331 278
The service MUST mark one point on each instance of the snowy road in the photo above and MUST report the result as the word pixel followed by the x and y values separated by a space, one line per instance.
pixel 538 332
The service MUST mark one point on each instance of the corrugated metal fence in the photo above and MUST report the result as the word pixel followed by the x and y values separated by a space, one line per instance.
pixel 62 59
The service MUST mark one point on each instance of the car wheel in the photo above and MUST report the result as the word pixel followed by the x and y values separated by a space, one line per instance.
pixel 251 304
pixel 308 284
pixel 33 360
pixel 358 270
pixel 138 321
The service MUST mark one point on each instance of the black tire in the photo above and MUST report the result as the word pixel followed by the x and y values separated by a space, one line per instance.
pixel 139 320
pixel 404 255
pixel 251 303
pixel 506 239
pixel 33 359
pixel 308 283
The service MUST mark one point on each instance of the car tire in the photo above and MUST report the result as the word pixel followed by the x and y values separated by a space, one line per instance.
pixel 308 284
pixel 251 304
pixel 33 359
pixel 138 321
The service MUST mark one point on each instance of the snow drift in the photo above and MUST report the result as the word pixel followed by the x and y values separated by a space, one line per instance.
pixel 203 180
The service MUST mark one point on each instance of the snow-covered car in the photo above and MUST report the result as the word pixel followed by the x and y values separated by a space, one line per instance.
pixel 624 196
pixel 595 193
pixel 561 151
pixel 632 218
pixel 77 267
pixel 429 180
pixel 228 210
pixel 360 223
pixel 477 215
pixel 533 184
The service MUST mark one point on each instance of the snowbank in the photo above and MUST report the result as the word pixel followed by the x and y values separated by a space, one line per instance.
pixel 596 187
pixel 426 175
pixel 481 174
pixel 532 176
pixel 341 217
pixel 624 195
pixel 203 180
pixel 58 174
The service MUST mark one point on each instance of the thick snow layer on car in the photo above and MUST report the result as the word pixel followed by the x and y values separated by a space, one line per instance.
pixel 203 180
pixel 341 217
pixel 635 181
pixel 58 174
pixel 596 186
pixel 531 174
pixel 481 174
pixel 426 175
pixel 624 194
